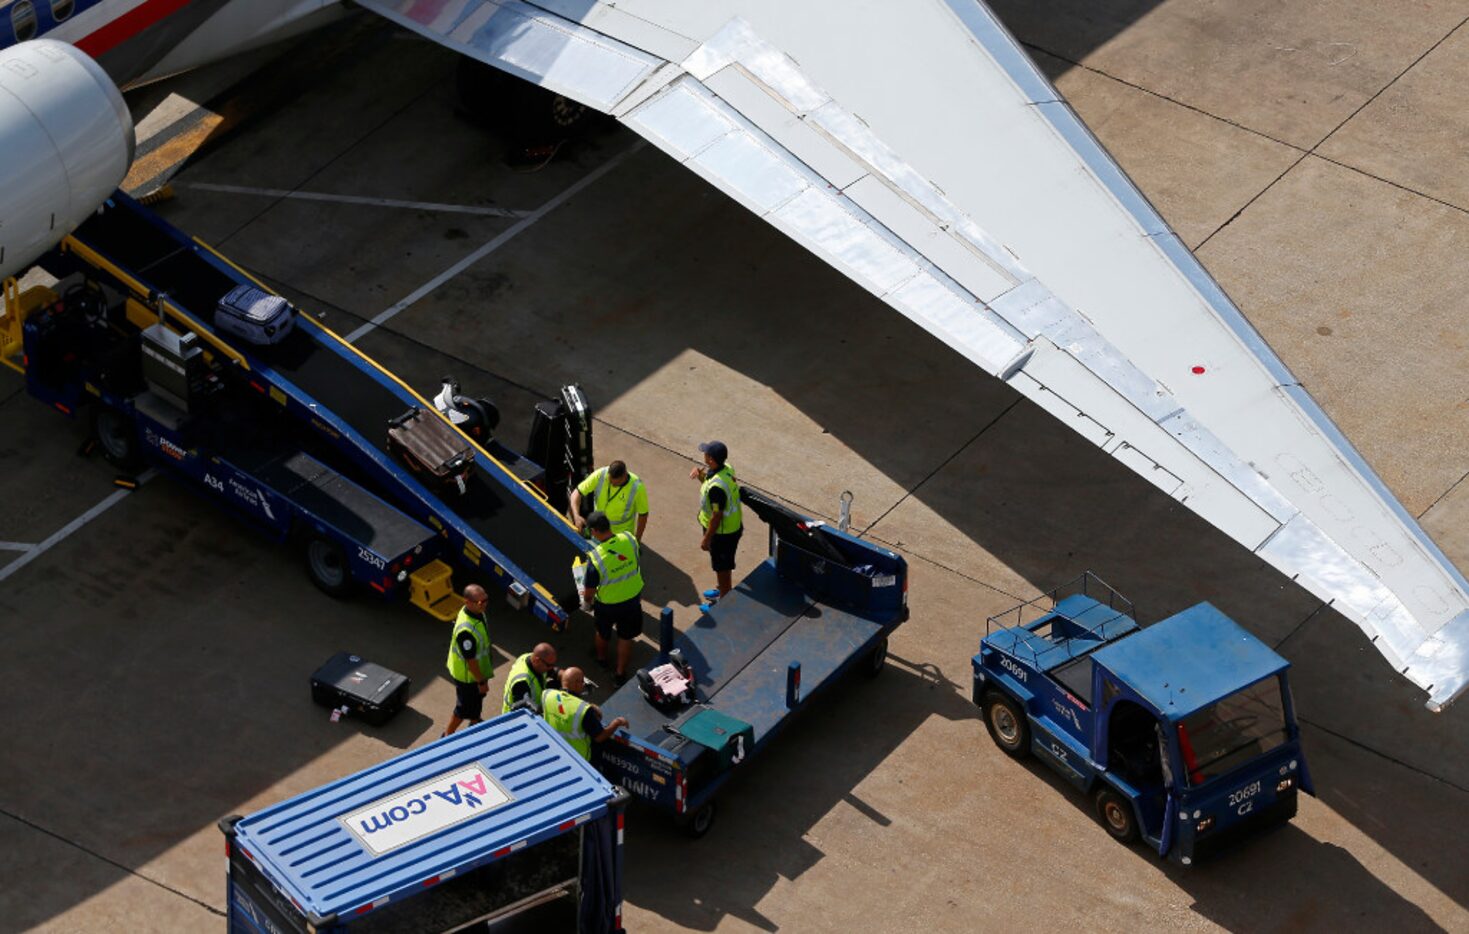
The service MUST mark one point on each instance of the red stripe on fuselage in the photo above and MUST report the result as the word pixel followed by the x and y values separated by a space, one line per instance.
pixel 426 11
pixel 128 25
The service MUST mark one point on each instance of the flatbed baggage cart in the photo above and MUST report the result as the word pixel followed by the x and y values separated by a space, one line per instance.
pixel 823 603
pixel 499 819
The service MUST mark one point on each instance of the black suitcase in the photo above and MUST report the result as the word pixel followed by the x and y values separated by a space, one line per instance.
pixel 367 690
pixel 561 441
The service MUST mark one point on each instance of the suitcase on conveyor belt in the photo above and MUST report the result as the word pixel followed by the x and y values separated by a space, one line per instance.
pixel 254 315
pixel 369 691
pixel 430 447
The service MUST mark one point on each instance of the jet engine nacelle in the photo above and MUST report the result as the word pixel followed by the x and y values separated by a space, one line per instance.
pixel 66 141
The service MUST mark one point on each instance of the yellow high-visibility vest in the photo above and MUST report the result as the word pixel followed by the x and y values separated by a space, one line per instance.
pixel 564 712
pixel 521 671
pixel 616 561
pixel 623 516
pixel 458 666
pixel 732 519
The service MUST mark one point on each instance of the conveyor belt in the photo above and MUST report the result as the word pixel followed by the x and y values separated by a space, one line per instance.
pixel 338 380
pixel 524 533
pixel 335 500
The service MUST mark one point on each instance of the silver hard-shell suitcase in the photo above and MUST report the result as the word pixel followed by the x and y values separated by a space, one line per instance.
pixel 254 315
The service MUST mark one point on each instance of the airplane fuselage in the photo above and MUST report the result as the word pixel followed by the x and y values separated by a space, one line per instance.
pixel 137 41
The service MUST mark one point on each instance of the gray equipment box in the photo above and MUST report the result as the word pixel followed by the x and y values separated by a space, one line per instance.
pixel 254 315
pixel 173 365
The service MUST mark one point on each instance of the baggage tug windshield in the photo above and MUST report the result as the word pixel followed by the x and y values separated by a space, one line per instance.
pixel 1243 726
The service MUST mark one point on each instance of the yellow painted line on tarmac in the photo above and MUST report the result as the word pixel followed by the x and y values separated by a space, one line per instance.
pixel 154 167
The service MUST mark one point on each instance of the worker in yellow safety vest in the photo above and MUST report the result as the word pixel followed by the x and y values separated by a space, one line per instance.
pixel 528 678
pixel 579 722
pixel 720 516
pixel 471 663
pixel 616 491
pixel 614 580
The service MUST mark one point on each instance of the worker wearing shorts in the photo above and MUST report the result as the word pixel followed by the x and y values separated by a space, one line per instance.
pixel 471 661
pixel 720 515
pixel 614 580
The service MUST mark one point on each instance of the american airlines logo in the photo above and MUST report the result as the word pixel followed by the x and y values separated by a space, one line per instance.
pixel 425 809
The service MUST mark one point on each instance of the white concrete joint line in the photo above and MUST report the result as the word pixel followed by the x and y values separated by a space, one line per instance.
pixel 65 532
pixel 16 546
pixel 521 226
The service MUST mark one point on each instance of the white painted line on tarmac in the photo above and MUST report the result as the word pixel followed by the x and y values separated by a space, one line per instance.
pixel 16 546
pixel 65 531
pixel 355 199
pixel 504 238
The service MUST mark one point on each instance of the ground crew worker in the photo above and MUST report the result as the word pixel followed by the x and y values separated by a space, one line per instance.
pixel 470 660
pixel 720 515
pixel 528 677
pixel 579 722
pixel 619 493
pixel 615 580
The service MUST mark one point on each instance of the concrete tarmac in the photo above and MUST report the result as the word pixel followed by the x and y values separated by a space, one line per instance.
pixel 157 657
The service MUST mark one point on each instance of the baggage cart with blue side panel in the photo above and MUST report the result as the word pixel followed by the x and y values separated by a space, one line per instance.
pixel 823 603
pixel 498 819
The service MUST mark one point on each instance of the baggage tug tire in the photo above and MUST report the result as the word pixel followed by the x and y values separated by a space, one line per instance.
pixel 1005 720
pixel 1116 814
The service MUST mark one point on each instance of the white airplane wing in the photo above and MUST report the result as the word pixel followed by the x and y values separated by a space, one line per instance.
pixel 915 147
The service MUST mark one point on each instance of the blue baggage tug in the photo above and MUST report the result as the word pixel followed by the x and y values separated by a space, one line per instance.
pixel 498 819
pixel 823 603
pixel 1183 733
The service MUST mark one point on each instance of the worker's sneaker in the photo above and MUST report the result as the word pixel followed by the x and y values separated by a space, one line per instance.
pixel 705 607
pixel 711 595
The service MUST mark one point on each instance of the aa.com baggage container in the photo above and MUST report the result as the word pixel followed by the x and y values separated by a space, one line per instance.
pixel 500 818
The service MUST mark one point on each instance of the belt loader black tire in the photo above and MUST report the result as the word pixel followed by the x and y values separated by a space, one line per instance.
pixel 326 565
pixel 117 437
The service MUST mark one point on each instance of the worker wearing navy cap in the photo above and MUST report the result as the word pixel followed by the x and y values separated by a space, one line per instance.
pixel 720 515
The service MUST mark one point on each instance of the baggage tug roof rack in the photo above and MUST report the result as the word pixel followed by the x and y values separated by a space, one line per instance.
pixel 500 525
pixel 1058 625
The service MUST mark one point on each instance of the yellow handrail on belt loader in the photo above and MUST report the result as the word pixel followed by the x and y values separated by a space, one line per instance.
pixel 17 305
